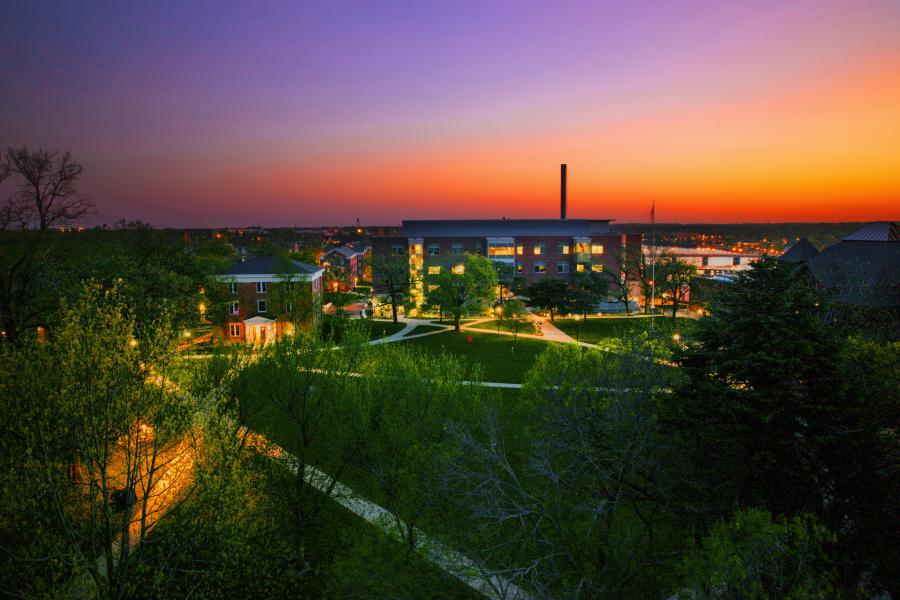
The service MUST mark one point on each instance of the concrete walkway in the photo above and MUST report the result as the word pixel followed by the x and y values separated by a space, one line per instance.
pixel 437 553
pixel 408 325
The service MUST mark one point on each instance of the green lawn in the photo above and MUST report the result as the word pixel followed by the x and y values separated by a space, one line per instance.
pixel 423 329
pixel 501 358
pixel 596 329
pixel 524 326
pixel 380 329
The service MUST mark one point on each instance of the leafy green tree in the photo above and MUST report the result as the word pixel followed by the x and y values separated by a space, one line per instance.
pixel 587 290
pixel 392 277
pixel 793 423
pixel 515 315
pixel 756 557
pixel 550 294
pixel 673 278
pixel 460 291
pixel 506 275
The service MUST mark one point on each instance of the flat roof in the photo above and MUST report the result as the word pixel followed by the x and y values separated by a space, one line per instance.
pixel 504 227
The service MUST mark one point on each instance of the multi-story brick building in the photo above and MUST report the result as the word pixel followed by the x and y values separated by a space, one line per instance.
pixel 535 248
pixel 265 297
pixel 347 264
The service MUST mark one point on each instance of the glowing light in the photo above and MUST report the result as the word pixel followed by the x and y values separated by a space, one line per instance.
pixel 133 343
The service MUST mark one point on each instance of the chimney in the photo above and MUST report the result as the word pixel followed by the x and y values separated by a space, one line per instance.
pixel 562 191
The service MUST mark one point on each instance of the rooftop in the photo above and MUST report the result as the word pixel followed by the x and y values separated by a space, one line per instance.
pixel 800 251
pixel 505 227
pixel 883 231
pixel 270 265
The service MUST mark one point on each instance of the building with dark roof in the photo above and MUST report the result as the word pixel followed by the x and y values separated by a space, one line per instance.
pixel 800 251
pixel 265 296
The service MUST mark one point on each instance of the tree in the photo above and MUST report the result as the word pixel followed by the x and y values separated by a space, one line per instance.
pixel 460 290
pixel 45 196
pixel 626 262
pixel 755 557
pixel 506 275
pixel 586 291
pixel 514 313
pixel 795 425
pixel 673 276
pixel 573 510
pixel 550 294
pixel 391 274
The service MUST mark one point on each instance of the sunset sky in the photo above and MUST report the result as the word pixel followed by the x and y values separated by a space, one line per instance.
pixel 318 113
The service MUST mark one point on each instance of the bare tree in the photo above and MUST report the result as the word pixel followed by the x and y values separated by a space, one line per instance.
pixel 45 195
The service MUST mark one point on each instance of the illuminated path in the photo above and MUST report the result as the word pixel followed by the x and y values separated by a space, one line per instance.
pixel 448 560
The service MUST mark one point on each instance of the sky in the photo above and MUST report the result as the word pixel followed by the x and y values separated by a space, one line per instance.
pixel 311 113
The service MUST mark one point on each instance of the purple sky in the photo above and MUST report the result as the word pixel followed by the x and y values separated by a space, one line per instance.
pixel 299 113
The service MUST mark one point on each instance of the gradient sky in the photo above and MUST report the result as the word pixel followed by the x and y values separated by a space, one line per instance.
pixel 227 113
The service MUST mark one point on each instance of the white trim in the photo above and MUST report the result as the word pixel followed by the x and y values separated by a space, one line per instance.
pixel 271 278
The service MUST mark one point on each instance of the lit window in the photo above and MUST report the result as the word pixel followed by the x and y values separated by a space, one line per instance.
pixel 562 267
pixel 499 249
pixel 520 249
pixel 235 308
pixel 579 267
pixel 459 269
pixel 597 268
pixel 562 248
pixel 261 306
pixel 539 248
pixel 519 268
pixel 233 287
pixel 539 267
pixel 262 287
pixel 434 270
pixel 596 248
pixel 398 249
pixel 581 247
pixel 456 247
pixel 434 249
pixel 234 329
pixel 432 287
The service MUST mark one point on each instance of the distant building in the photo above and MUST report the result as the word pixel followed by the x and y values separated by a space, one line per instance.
pixel 265 296
pixel 709 261
pixel 863 269
pixel 534 248
pixel 349 262
pixel 799 252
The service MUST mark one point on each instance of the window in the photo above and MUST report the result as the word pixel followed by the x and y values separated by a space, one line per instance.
pixel 562 267
pixel 261 306
pixel 579 267
pixel 520 249
pixel 233 287
pixel 235 308
pixel 500 249
pixel 434 270
pixel 539 267
pixel 596 248
pixel 434 249
pixel 398 249
pixel 262 287
pixel 597 268
pixel 459 269
pixel 581 247
pixel 539 248
pixel 456 247
pixel 562 248
pixel 519 268
pixel 432 287
pixel 289 286
pixel 234 329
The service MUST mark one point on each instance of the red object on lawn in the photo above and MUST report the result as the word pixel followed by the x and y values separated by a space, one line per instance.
pixel 470 339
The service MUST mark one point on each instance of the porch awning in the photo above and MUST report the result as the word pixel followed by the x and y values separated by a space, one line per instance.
pixel 257 320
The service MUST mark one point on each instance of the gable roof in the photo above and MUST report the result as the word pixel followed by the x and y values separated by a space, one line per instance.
pixel 505 227
pixel 800 251
pixel 347 252
pixel 271 265
pixel 860 272
pixel 882 231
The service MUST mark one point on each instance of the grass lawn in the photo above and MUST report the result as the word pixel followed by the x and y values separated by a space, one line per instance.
pixel 501 358
pixel 380 329
pixel 449 321
pixel 423 329
pixel 595 329
pixel 524 326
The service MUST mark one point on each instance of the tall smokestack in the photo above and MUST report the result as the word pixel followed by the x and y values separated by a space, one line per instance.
pixel 562 191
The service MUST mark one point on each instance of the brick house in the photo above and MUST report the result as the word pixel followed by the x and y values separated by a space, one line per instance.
pixel 265 297
pixel 347 261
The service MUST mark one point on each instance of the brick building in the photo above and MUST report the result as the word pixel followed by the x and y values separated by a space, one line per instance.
pixel 265 297
pixel 535 248
pixel 347 261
